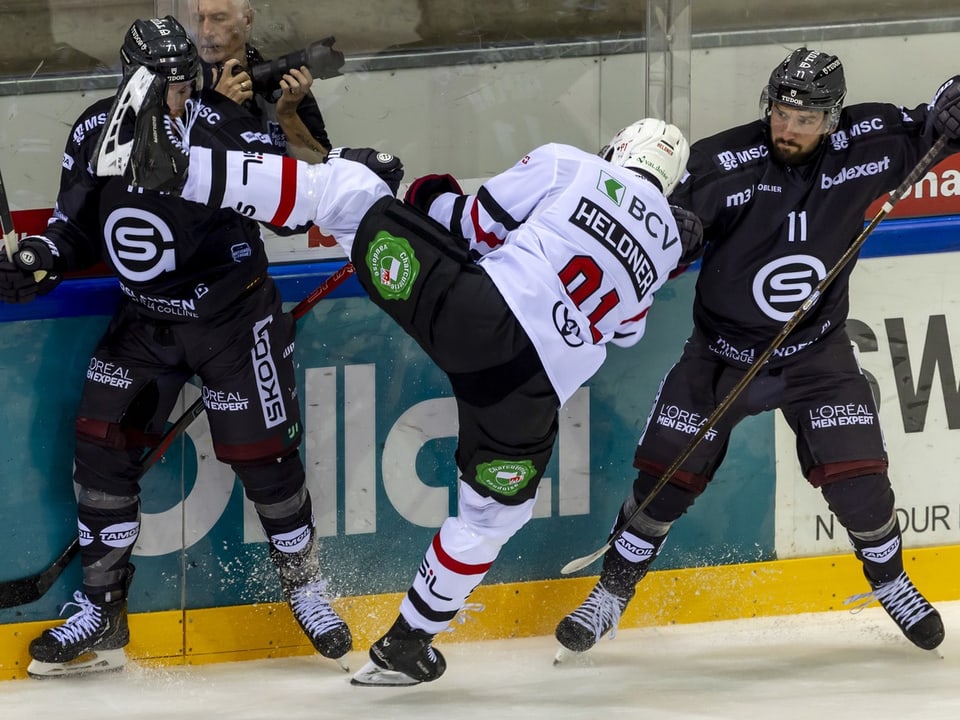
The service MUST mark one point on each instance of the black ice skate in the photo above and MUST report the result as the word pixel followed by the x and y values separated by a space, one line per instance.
pixel 403 656
pixel 915 617
pixel 91 640
pixel 598 615
pixel 157 156
pixel 327 631
pixel 306 593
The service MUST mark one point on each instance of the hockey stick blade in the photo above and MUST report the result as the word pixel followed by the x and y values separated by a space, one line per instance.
pixel 895 196
pixel 29 589
pixel 580 563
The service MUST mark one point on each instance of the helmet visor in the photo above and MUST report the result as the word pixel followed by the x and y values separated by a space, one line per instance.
pixel 798 121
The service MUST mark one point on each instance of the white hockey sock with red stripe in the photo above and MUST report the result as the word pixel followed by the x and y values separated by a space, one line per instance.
pixel 459 557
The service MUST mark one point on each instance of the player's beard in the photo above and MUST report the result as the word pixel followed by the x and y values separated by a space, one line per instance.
pixel 789 152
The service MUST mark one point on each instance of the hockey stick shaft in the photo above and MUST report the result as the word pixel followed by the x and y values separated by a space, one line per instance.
pixel 10 242
pixel 6 223
pixel 29 589
pixel 895 196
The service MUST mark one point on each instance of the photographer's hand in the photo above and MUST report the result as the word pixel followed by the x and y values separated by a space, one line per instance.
pixel 294 85
pixel 301 144
pixel 234 82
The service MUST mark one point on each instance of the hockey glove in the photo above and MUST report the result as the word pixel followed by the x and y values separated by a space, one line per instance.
pixel 38 253
pixel 36 258
pixel 946 109
pixel 387 166
pixel 691 235
pixel 424 190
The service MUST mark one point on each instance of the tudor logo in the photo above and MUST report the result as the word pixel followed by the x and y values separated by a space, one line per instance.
pixel 781 286
pixel 140 244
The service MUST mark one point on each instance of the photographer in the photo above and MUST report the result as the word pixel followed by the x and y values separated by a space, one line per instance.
pixel 288 113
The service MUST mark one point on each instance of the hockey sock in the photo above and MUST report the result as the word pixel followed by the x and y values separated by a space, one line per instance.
pixel 880 551
pixel 108 527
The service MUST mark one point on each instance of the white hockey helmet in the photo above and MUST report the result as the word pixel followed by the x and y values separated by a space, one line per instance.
pixel 654 147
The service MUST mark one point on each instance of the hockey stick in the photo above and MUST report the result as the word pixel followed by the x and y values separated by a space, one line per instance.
pixel 919 169
pixel 29 589
pixel 10 243
pixel 6 224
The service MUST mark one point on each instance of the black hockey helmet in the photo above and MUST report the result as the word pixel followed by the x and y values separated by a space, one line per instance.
pixel 163 46
pixel 809 80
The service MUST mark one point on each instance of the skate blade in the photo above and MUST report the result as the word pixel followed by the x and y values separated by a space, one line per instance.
pixel 93 662
pixel 372 675
pixel 342 663
pixel 564 655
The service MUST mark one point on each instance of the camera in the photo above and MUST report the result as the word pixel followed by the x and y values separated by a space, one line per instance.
pixel 324 63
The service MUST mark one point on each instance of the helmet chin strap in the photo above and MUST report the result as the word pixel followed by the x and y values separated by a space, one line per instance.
pixel 646 175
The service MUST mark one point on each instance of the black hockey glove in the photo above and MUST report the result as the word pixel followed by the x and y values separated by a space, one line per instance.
pixel 387 166
pixel 38 253
pixel 946 109
pixel 36 258
pixel 691 235
pixel 424 190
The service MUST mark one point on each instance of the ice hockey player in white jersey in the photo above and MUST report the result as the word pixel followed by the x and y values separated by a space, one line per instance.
pixel 513 291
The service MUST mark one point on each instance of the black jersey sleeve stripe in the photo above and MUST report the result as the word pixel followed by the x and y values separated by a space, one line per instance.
pixel 495 211
pixel 218 179
pixel 459 207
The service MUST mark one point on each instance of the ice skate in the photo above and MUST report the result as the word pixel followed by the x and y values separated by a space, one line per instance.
pixel 91 640
pixel 917 619
pixel 306 593
pixel 598 615
pixel 403 656
pixel 327 631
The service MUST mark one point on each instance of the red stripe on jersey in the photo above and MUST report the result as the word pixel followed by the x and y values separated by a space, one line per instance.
pixel 635 317
pixel 455 565
pixel 482 235
pixel 288 191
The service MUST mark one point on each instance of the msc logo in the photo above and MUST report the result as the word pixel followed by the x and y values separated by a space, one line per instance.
pixel 781 286
pixel 732 159
pixel 140 244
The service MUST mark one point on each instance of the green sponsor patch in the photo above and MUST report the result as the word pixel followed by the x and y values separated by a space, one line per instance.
pixel 393 266
pixel 506 477
pixel 611 187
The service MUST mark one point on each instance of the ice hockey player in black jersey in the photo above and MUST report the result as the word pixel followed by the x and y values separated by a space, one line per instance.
pixel 514 292
pixel 197 299
pixel 781 199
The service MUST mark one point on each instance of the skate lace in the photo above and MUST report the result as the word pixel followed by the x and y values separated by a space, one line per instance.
pixel 464 615
pixel 310 605
pixel 81 625
pixel 600 611
pixel 900 598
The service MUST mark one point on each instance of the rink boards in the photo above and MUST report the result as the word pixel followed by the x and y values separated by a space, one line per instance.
pixel 378 451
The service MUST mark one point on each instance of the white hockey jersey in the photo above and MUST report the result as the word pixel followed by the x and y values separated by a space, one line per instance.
pixel 576 246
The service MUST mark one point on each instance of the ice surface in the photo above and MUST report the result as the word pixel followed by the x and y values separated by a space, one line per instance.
pixel 823 666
